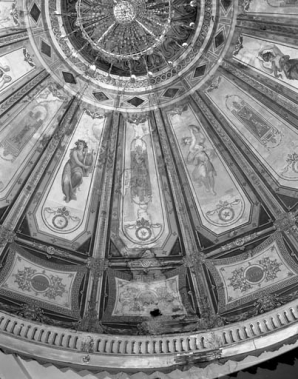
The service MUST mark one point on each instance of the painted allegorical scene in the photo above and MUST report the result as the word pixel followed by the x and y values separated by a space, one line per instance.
pixel 143 219
pixel 271 139
pixel 24 132
pixel 137 298
pixel 221 203
pixel 9 16
pixel 276 60
pixel 271 6
pixel 10 68
pixel 63 208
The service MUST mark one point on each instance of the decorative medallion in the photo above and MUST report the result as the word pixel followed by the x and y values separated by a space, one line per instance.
pixel 245 277
pixel 40 282
pixel 254 274
pixel 143 233
pixel 53 286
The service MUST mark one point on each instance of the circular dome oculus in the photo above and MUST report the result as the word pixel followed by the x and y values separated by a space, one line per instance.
pixel 126 37
pixel 124 29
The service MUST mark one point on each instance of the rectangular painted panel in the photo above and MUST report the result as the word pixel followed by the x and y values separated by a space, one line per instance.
pixel 273 141
pixel 9 17
pixel 23 135
pixel 221 203
pixel 13 67
pixel 143 220
pixel 63 210
pixel 276 60
pixel 271 6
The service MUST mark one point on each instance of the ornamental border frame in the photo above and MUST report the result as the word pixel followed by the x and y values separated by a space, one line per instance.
pixel 80 274
pixel 210 264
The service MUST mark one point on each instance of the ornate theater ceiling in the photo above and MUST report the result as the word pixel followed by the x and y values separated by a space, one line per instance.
pixel 148 175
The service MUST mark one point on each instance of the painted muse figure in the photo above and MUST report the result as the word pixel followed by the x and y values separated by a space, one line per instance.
pixel 204 171
pixel 77 167
pixel 275 62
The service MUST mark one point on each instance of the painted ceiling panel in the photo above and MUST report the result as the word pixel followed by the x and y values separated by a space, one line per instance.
pixel 66 198
pixel 148 167
pixel 25 133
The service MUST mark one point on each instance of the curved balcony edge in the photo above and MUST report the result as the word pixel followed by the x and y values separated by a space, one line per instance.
pixel 114 352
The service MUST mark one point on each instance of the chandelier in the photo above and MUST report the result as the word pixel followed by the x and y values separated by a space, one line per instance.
pixel 129 37
pixel 124 29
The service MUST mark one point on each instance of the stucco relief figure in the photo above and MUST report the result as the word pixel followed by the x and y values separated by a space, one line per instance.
pixel 4 77
pixel 254 122
pixel 276 63
pixel 204 172
pixel 75 169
